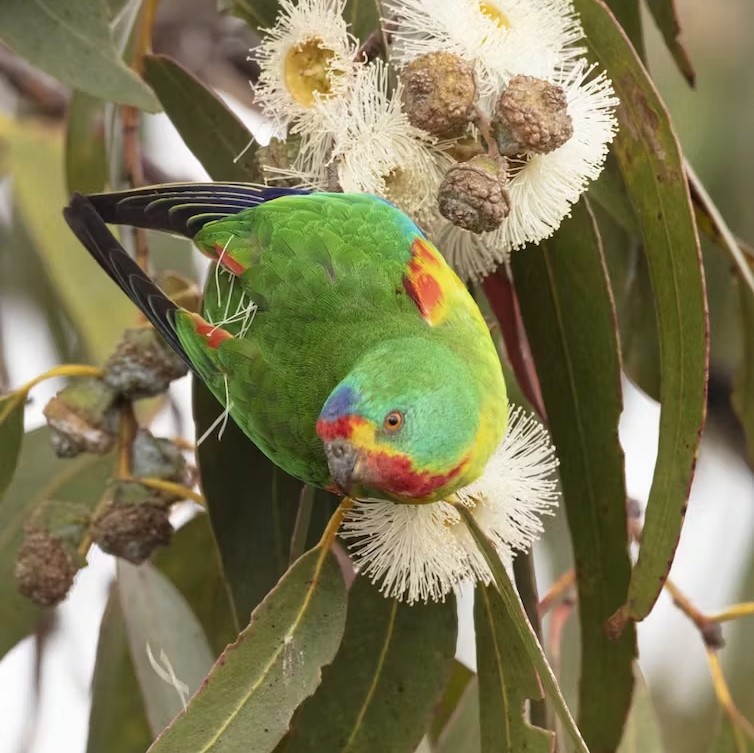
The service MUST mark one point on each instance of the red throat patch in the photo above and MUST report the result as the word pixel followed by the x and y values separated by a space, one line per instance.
pixel 395 474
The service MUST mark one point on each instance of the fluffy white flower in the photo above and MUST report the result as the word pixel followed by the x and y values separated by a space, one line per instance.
pixel 422 552
pixel 499 37
pixel 307 55
pixel 375 147
pixel 542 187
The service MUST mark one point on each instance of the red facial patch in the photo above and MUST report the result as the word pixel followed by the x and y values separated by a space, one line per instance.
pixel 341 428
pixel 226 261
pixel 421 282
pixel 215 335
pixel 395 474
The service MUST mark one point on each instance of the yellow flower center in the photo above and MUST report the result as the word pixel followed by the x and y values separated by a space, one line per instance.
pixel 306 71
pixel 495 14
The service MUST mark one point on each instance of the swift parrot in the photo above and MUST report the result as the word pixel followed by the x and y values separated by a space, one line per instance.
pixel 333 331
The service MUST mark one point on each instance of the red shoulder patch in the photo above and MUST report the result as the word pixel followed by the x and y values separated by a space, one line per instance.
pixel 215 335
pixel 226 261
pixel 428 281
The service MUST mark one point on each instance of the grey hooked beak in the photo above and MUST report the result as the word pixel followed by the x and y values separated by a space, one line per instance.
pixel 341 459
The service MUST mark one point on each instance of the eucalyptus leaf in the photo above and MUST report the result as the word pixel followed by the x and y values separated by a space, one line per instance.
pixel 161 629
pixel 666 18
pixel 743 391
pixel 11 435
pixel 731 738
pixel 642 733
pixel 628 14
pixel 363 17
pixel 462 733
pixel 85 152
pixel 379 692
pixel 506 680
pixel 218 139
pixel 523 630
pixel 460 679
pixel 248 699
pixel 653 170
pixel 72 41
pixel 39 476
pixel 258 14
pixel 117 719
pixel 192 563
pixel 567 308
pixel 36 158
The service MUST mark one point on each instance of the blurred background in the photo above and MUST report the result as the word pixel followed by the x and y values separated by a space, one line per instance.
pixel 45 680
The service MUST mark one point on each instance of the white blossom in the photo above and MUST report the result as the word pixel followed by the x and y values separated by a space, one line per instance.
pixel 423 552
pixel 542 187
pixel 500 38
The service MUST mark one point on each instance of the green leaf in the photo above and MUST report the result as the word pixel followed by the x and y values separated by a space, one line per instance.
pixel 506 680
pixel 460 679
pixel 666 18
pixel 731 738
pixel 192 563
pixel 117 720
pixel 218 139
pixel 85 152
pixel 159 619
pixel 462 733
pixel 653 169
pixel 252 507
pixel 743 390
pixel 363 17
pixel 72 41
pixel 39 476
pixel 628 15
pixel 36 158
pixel 258 14
pixel 713 225
pixel 252 691
pixel 379 692
pixel 523 630
pixel 567 308
pixel 642 733
pixel 11 434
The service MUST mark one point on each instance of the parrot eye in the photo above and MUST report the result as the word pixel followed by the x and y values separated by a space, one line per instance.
pixel 393 421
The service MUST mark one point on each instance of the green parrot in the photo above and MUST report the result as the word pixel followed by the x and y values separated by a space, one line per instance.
pixel 333 331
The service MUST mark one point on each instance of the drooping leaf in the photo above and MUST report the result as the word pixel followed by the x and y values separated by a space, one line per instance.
pixel 218 139
pixel 567 308
pixel 252 507
pixel 248 699
pixel 523 630
pixel 743 391
pixel 258 14
pixel 85 152
pixel 653 170
pixel 462 733
pixel 642 733
pixel 192 563
pixel 713 225
pixel 628 14
pixel 11 435
pixel 72 41
pixel 117 720
pixel 159 620
pixel 731 738
pixel 39 476
pixel 666 18
pixel 363 17
pixel 36 158
pixel 460 678
pixel 506 680
pixel 379 692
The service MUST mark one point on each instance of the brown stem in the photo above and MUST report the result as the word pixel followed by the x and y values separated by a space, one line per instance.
pixel 482 122
pixel 709 629
pixel 47 95
pixel 502 298
pixel 126 434
pixel 558 591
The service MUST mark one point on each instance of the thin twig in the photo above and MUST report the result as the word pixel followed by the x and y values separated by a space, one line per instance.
pixel 558 590
pixel 48 96
pixel 172 488
pixel 709 629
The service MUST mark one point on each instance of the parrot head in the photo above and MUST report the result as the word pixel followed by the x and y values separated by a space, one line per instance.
pixel 409 423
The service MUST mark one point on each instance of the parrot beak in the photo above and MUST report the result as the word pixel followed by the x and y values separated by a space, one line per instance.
pixel 341 458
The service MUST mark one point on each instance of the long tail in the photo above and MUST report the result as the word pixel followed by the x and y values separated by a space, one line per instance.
pixel 183 208
pixel 90 229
